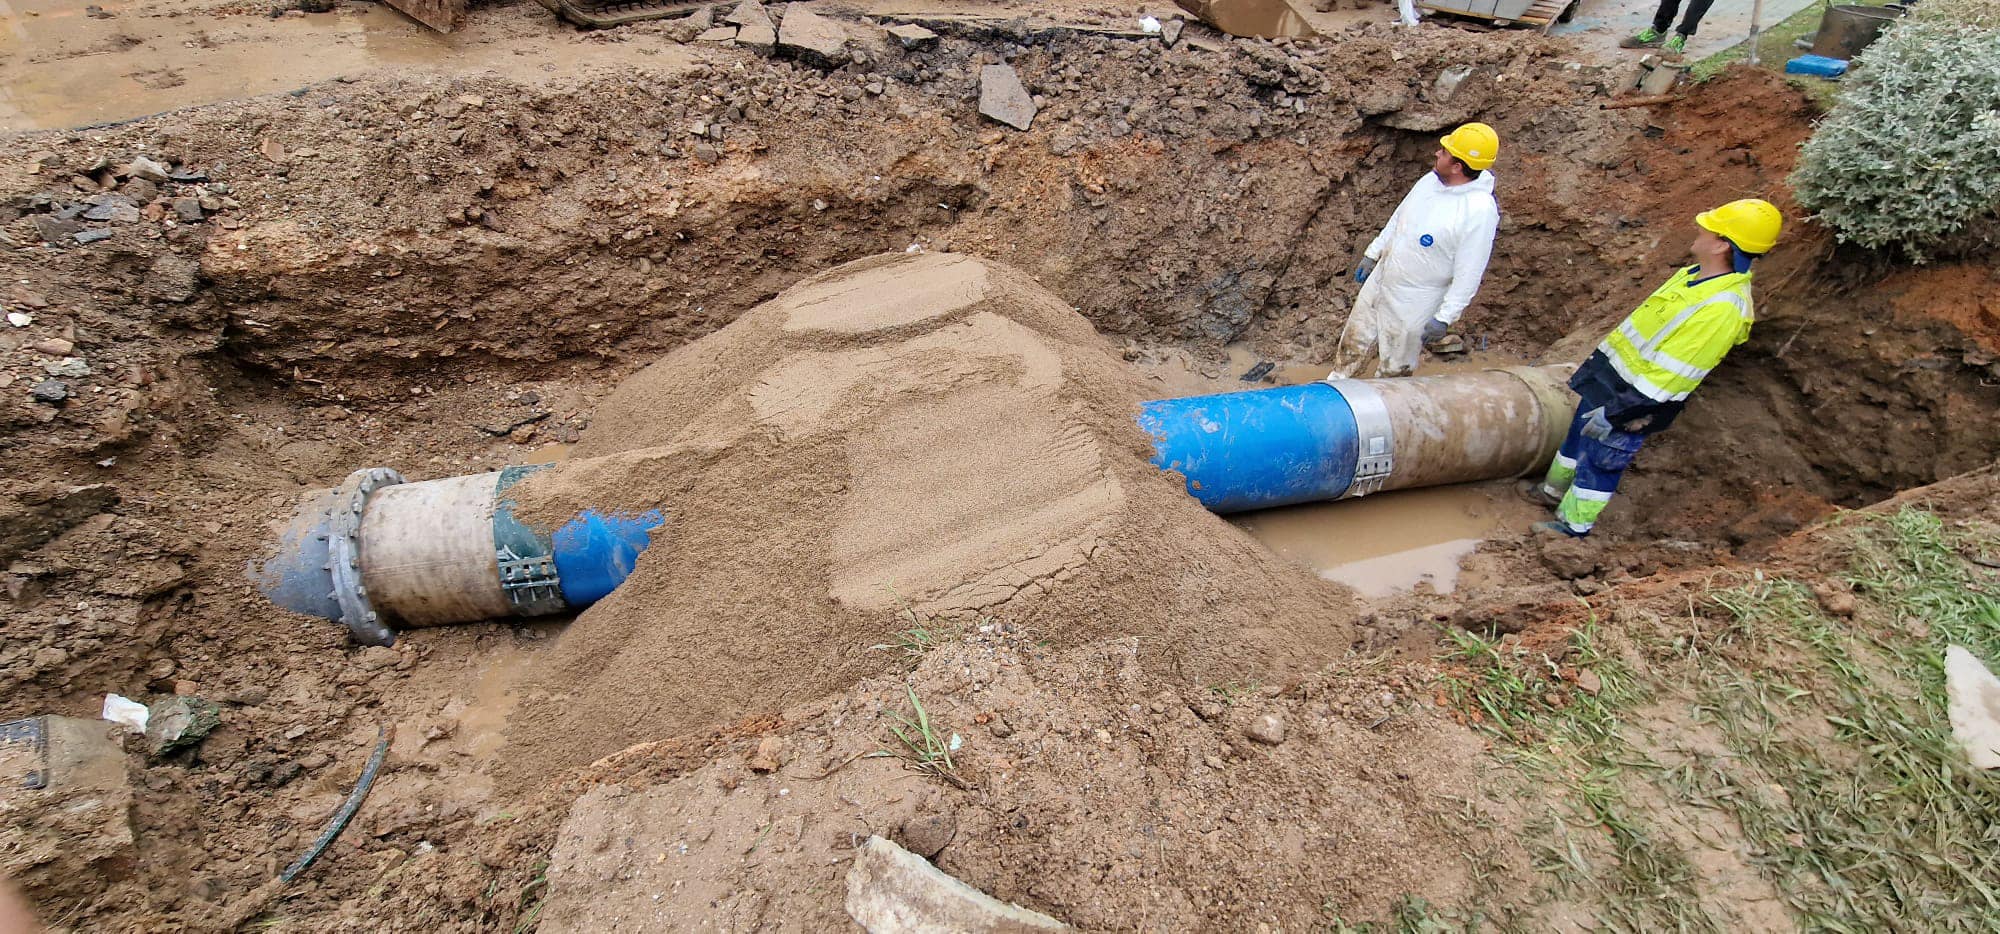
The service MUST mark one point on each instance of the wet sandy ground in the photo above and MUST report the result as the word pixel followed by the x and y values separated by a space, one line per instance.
pixel 65 64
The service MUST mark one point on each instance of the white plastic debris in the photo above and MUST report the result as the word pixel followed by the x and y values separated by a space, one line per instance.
pixel 20 319
pixel 1149 25
pixel 125 712
pixel 1972 698
pixel 1406 11
pixel 955 743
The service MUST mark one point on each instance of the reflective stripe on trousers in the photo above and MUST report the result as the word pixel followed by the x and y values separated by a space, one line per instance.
pixel 1586 472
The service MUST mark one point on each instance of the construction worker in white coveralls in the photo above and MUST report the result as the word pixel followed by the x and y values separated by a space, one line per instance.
pixel 1423 268
pixel 1638 380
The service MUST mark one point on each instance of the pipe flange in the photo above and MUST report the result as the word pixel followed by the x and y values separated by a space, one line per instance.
pixel 1374 436
pixel 343 548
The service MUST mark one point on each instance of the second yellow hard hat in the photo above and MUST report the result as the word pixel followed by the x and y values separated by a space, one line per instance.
pixel 1750 223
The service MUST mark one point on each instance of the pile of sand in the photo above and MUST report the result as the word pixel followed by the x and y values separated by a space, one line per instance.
pixel 902 441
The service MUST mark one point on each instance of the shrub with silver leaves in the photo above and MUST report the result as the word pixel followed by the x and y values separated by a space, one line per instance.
pixel 1909 157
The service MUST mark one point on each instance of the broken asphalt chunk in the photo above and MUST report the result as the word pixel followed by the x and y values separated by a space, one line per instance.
pixel 1003 98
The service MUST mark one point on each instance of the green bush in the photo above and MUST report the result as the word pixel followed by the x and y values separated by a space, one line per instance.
pixel 1909 157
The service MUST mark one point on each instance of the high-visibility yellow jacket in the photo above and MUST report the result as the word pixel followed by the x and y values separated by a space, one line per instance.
pixel 1667 345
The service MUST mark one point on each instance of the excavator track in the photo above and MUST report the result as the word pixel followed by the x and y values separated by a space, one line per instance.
pixel 601 14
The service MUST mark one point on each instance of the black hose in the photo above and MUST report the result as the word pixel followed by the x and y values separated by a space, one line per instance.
pixel 347 808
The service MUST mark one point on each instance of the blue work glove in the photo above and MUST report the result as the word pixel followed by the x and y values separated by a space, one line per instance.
pixel 1361 272
pixel 1434 329
pixel 1595 426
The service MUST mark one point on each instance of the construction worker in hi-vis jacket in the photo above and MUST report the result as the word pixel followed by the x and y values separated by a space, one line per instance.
pixel 1639 378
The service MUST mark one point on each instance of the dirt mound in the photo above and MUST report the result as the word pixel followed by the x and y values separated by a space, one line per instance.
pixel 1101 797
pixel 905 442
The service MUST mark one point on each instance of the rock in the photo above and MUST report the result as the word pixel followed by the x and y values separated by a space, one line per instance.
pixel 142 167
pixel 54 346
pixel 188 210
pixel 1569 558
pixel 1000 728
pixel 812 38
pixel 717 34
pixel 1003 99
pixel 928 835
pixel 376 657
pixel 1209 710
pixel 178 722
pixel 707 152
pixel 758 32
pixel 1268 729
pixel 20 319
pixel 1836 601
pixel 1170 31
pixel 52 228
pixel 117 209
pixel 891 889
pixel 91 236
pixel 769 755
pixel 172 278
pixel 913 36
pixel 1588 682
pixel 68 367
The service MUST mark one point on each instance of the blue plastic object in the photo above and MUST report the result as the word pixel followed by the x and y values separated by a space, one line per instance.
pixel 1256 449
pixel 1818 65
pixel 595 552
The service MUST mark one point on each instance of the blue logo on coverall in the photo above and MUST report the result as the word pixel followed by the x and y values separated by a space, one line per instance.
pixel 1426 240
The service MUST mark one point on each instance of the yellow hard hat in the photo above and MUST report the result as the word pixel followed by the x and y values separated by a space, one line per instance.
pixel 1751 223
pixel 1475 144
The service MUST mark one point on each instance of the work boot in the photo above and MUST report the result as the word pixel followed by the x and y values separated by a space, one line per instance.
pixel 1533 491
pixel 1647 38
pixel 1555 528
pixel 1677 45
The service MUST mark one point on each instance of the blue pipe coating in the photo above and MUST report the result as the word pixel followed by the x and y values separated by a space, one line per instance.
pixel 1257 449
pixel 595 552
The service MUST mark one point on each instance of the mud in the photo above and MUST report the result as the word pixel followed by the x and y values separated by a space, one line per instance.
pixel 448 273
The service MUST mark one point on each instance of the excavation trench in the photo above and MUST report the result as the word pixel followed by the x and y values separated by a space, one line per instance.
pixel 450 307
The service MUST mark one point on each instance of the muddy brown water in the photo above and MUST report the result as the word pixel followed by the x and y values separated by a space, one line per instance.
pixel 1390 542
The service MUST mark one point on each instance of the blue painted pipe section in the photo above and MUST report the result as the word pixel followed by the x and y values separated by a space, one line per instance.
pixel 1256 449
pixel 595 552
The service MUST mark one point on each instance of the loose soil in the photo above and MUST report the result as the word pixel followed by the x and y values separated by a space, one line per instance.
pixel 445 274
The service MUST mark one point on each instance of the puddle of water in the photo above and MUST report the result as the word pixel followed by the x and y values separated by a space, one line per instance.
pixel 483 721
pixel 547 454
pixel 61 66
pixel 1389 542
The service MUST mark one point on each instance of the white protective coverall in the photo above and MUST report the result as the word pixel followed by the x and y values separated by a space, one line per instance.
pixel 1429 260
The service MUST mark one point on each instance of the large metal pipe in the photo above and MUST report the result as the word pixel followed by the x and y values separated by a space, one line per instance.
pixel 1343 438
pixel 378 551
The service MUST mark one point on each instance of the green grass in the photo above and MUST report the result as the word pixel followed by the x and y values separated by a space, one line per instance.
pixel 531 899
pixel 1592 842
pixel 1775 46
pixel 929 750
pixel 920 634
pixel 1819 751
pixel 1883 825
